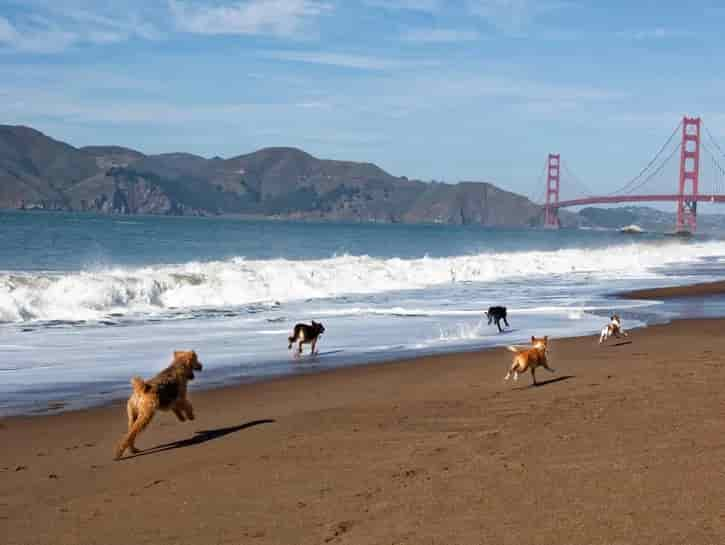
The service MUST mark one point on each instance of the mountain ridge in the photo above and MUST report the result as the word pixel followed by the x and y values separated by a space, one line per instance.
pixel 37 171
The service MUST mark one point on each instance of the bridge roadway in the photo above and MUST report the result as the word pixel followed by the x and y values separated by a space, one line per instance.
pixel 612 199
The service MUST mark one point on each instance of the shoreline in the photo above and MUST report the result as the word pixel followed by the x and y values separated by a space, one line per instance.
pixel 225 379
pixel 702 289
pixel 435 449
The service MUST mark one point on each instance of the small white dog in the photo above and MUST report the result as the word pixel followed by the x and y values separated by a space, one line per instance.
pixel 612 329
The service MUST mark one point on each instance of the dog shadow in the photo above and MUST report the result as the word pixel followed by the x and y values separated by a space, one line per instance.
pixel 621 343
pixel 542 383
pixel 199 438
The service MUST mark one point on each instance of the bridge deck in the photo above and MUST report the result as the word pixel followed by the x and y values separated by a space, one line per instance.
pixel 613 199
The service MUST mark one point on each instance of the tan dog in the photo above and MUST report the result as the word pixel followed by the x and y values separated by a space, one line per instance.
pixel 530 359
pixel 166 391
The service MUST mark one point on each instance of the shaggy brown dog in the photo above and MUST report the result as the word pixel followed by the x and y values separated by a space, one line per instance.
pixel 530 359
pixel 166 391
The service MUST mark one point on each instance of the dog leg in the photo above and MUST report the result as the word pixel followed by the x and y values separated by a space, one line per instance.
pixel 314 347
pixel 506 321
pixel 548 368
pixel 533 375
pixel 132 414
pixel 129 441
pixel 178 413
pixel 498 325
pixel 186 407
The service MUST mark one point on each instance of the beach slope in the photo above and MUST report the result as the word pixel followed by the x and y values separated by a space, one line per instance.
pixel 624 444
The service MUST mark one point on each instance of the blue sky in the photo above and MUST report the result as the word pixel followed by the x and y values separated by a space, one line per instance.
pixel 432 89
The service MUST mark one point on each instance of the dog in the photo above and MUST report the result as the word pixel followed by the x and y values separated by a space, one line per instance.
pixel 303 334
pixel 612 329
pixel 166 391
pixel 530 359
pixel 496 314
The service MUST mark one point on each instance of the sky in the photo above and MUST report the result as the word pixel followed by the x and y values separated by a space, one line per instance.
pixel 430 89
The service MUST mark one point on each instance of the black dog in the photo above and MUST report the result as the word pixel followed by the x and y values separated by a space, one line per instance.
pixel 496 314
pixel 304 333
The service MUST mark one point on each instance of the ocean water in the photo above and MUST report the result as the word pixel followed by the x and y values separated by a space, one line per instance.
pixel 87 301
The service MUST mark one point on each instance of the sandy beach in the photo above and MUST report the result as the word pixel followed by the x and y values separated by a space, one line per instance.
pixel 624 444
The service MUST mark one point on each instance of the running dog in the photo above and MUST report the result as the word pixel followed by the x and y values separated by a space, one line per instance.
pixel 530 359
pixel 612 329
pixel 304 334
pixel 496 314
pixel 165 392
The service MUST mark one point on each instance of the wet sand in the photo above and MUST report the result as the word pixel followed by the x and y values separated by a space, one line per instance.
pixel 694 290
pixel 624 444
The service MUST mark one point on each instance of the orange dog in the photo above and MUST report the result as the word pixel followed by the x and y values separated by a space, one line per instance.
pixel 166 391
pixel 530 359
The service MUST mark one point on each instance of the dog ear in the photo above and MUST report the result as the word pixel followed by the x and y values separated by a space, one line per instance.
pixel 533 339
pixel 546 338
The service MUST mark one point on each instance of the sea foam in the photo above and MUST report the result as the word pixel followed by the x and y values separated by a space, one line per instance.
pixel 158 290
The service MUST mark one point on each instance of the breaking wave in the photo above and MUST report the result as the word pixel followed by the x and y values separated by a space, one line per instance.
pixel 95 295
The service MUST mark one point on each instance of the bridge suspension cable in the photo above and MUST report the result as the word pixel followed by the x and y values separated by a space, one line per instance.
pixel 540 183
pixel 626 187
pixel 570 176
pixel 652 175
pixel 717 172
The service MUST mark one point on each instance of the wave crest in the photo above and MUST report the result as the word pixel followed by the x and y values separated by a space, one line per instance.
pixel 93 295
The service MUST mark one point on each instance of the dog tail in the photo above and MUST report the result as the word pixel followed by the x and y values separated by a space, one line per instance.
pixel 139 386
pixel 512 349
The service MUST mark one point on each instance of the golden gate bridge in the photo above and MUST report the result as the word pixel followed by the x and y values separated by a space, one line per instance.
pixel 698 168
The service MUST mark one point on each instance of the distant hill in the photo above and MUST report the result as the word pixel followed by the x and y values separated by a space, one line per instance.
pixel 39 172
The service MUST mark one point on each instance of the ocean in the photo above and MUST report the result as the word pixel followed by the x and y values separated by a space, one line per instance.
pixel 88 301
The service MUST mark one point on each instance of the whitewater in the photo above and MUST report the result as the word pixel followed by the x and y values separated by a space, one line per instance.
pixel 231 284
pixel 86 302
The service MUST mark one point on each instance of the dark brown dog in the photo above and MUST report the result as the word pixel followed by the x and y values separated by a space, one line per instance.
pixel 165 392
pixel 496 314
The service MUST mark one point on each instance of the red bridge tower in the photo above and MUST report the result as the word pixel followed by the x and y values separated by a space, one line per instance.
pixel 689 175
pixel 551 216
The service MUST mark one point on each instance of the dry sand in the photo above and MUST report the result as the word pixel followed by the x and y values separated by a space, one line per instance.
pixel 624 444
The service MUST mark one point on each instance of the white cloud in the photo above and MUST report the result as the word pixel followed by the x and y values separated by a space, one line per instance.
pixel 345 60
pixel 277 17
pixel 439 35
pixel 513 15
pixel 429 6
pixel 658 33
pixel 53 30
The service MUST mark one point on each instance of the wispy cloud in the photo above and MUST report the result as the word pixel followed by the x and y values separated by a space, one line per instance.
pixel 345 60
pixel 430 6
pixel 657 33
pixel 52 30
pixel 276 17
pixel 439 35
pixel 513 15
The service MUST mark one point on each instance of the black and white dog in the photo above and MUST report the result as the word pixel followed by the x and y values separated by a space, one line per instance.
pixel 496 314
pixel 303 334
